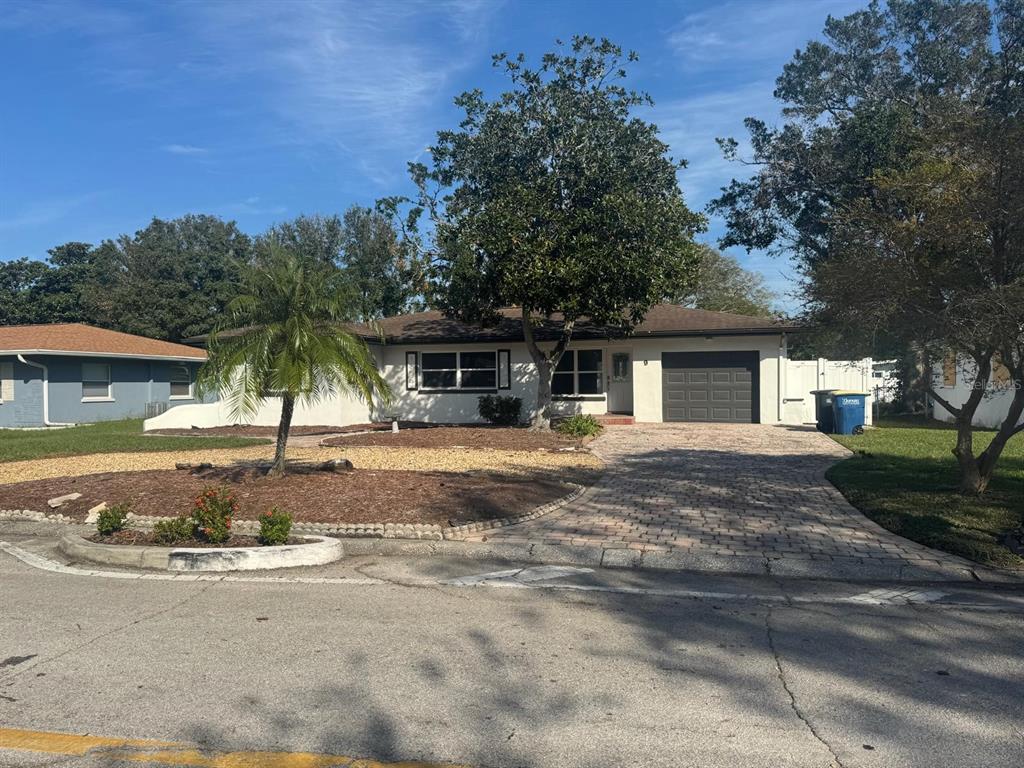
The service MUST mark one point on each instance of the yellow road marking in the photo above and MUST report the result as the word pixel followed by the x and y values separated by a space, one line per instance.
pixel 171 753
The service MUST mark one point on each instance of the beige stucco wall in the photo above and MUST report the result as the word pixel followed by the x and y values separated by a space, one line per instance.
pixel 459 407
pixel 646 356
pixel 647 405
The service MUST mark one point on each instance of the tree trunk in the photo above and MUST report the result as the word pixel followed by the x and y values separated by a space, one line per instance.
pixel 990 456
pixel 970 477
pixel 546 364
pixel 971 480
pixel 287 409
pixel 542 413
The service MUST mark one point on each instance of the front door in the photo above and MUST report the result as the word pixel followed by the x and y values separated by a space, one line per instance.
pixel 620 387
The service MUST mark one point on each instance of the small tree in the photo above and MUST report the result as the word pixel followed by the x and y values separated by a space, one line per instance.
pixel 554 199
pixel 288 338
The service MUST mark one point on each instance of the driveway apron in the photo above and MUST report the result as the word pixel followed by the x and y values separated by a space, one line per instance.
pixel 728 497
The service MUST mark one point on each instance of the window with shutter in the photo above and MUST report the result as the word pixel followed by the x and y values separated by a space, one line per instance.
pixel 949 370
pixel 1001 375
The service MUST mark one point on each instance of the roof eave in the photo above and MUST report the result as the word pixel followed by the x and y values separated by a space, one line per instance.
pixel 120 355
pixel 589 336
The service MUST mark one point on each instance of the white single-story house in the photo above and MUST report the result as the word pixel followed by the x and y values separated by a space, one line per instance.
pixel 677 365
pixel 70 373
pixel 954 379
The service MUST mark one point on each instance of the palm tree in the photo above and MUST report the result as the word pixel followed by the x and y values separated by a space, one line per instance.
pixel 285 335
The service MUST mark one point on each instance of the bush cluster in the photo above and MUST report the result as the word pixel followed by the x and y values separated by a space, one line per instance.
pixel 275 527
pixel 113 519
pixel 180 528
pixel 580 425
pixel 505 410
pixel 212 513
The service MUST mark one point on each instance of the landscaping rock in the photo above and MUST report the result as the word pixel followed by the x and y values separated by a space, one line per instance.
pixel 59 500
pixel 94 513
pixel 335 465
pixel 194 467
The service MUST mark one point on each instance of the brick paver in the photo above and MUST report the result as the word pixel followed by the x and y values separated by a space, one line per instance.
pixel 720 490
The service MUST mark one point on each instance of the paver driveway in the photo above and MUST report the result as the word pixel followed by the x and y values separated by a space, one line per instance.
pixel 727 497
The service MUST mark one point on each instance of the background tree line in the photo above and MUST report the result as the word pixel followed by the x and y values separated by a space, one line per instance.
pixel 174 278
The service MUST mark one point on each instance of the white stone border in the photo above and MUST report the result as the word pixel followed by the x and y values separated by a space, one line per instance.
pixel 421 531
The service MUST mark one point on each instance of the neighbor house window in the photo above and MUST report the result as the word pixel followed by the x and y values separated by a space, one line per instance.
pixel 96 381
pixel 578 373
pixel 949 370
pixel 6 382
pixel 181 382
pixel 458 370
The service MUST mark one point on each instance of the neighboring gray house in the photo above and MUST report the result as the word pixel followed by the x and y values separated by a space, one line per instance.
pixel 70 373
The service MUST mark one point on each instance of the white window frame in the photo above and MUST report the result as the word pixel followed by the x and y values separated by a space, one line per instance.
pixel 171 382
pixel 576 371
pixel 6 382
pixel 458 369
pixel 109 397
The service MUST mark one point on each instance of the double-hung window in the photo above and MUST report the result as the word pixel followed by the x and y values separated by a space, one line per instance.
pixel 96 381
pixel 181 382
pixel 579 372
pixel 458 370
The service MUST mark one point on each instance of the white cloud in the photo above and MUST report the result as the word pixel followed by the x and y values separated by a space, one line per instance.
pixel 251 206
pixel 360 77
pixel 740 32
pixel 47 211
pixel 184 149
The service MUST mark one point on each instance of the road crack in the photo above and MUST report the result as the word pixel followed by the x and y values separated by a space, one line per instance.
pixel 781 674
pixel 103 635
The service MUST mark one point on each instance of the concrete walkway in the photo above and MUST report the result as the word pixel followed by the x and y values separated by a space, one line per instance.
pixel 729 497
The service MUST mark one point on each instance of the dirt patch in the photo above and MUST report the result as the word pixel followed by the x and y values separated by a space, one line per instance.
pixel 365 457
pixel 140 538
pixel 359 496
pixel 494 438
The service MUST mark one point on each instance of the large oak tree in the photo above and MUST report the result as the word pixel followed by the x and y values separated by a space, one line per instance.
pixel 557 199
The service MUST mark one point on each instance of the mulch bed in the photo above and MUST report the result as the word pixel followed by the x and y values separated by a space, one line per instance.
pixel 135 537
pixel 358 496
pixel 500 438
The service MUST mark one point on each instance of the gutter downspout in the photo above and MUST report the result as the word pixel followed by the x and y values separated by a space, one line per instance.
pixel 46 394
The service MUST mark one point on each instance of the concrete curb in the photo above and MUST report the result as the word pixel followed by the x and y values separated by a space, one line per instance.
pixel 321 551
pixel 841 569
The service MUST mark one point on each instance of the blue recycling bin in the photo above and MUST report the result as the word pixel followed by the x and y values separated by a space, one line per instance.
pixel 848 412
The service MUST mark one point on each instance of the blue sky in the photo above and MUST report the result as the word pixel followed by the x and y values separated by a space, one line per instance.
pixel 258 111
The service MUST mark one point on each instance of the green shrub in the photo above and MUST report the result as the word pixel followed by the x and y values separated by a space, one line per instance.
pixel 174 530
pixel 505 410
pixel 212 513
pixel 275 527
pixel 580 425
pixel 113 519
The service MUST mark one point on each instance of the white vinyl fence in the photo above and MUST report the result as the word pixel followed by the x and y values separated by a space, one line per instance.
pixel 804 376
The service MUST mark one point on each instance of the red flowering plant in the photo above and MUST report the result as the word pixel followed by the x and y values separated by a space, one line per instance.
pixel 212 513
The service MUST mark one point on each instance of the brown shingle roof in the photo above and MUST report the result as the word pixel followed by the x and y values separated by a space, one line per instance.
pixel 661 320
pixel 77 338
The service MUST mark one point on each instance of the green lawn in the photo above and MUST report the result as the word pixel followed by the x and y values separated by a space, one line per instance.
pixel 904 477
pixel 105 437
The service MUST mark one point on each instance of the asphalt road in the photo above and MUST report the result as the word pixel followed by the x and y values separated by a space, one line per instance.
pixel 384 661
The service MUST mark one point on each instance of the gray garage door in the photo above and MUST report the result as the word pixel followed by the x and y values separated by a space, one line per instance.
pixel 709 386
